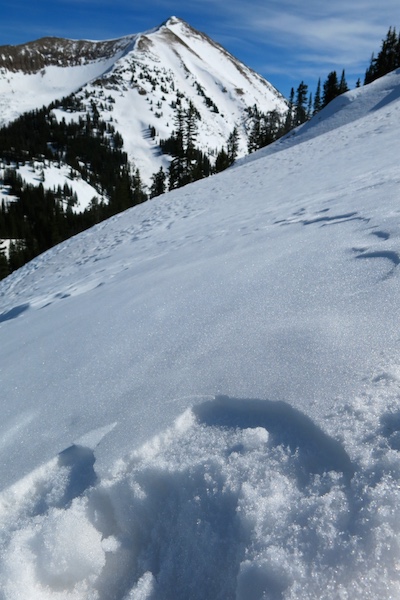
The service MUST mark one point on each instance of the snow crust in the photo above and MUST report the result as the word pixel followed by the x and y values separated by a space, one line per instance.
pixel 200 396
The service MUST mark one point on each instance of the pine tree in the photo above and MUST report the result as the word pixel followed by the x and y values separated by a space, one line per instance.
pixel 387 59
pixel 310 107
pixel 288 125
pixel 222 161
pixel 158 185
pixel 317 98
pixel 330 89
pixel 176 148
pixel 190 136
pixel 233 145
pixel 343 87
pixel 139 193
pixel 300 111
pixel 370 72
pixel 254 137
pixel 4 267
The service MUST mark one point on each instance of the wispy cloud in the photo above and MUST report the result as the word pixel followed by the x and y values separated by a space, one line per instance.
pixel 329 28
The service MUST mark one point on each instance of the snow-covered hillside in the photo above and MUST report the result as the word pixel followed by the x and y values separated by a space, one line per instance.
pixel 52 176
pixel 138 82
pixel 200 396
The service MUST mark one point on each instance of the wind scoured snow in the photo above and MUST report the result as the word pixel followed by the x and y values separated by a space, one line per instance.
pixel 200 396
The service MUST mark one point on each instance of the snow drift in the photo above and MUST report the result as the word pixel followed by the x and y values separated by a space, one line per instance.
pixel 200 396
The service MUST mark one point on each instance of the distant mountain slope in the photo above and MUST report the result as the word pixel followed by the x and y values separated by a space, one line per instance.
pixel 139 83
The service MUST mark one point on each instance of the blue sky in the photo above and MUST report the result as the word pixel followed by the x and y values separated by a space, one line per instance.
pixel 286 41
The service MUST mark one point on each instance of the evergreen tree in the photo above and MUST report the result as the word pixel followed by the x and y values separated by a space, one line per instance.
pixel 122 196
pixel 387 59
pixel 330 89
pixel 4 267
pixel 369 73
pixel 343 87
pixel 254 137
pixel 187 162
pixel 139 193
pixel 190 135
pixel 233 145
pixel 300 111
pixel 288 126
pixel 176 148
pixel 158 185
pixel 222 161
pixel 309 107
pixel 317 99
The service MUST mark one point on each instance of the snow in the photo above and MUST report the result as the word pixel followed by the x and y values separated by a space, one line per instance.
pixel 21 92
pixel 177 53
pixel 200 395
pixel 52 175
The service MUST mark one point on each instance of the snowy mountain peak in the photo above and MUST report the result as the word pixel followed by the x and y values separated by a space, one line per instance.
pixel 140 83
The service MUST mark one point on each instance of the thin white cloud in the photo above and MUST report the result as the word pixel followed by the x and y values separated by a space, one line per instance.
pixel 302 40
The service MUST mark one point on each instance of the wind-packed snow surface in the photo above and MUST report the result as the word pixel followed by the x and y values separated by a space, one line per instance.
pixel 200 396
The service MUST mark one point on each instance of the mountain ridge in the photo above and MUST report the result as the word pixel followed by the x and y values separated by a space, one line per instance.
pixel 150 77
pixel 33 56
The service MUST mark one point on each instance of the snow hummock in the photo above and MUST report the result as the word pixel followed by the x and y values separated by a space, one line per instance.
pixel 200 395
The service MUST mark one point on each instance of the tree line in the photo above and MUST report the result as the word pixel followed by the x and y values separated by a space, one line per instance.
pixel 387 59
pixel 38 218
pixel 303 104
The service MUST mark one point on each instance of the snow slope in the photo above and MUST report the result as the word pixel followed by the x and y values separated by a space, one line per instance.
pixel 52 176
pixel 21 92
pixel 200 395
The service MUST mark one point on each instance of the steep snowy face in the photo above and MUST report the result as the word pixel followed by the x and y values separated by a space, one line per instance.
pixel 140 82
pixel 169 68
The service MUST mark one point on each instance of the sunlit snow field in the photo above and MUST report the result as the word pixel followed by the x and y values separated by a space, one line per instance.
pixel 200 396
